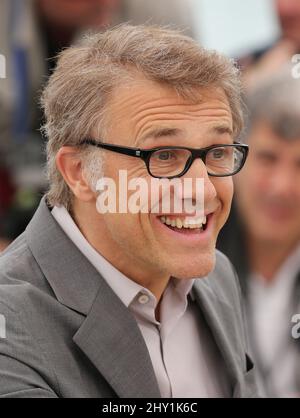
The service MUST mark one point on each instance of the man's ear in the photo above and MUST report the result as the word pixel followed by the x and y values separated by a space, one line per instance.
pixel 68 162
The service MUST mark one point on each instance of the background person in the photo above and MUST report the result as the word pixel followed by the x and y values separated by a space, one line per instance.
pixel 264 63
pixel 262 235
pixel 32 33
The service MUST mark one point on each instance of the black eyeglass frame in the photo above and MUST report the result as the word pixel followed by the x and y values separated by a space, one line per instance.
pixel 145 155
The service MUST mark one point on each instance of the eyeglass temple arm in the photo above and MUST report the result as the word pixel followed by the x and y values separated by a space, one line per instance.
pixel 134 152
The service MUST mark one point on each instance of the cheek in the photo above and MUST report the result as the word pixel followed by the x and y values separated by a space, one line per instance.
pixel 257 188
pixel 123 225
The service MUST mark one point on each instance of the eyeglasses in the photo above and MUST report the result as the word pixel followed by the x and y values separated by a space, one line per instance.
pixel 221 160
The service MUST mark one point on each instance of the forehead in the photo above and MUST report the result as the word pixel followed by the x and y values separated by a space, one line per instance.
pixel 137 108
pixel 263 137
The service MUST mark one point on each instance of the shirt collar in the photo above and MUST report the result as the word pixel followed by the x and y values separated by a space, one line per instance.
pixel 182 286
pixel 284 279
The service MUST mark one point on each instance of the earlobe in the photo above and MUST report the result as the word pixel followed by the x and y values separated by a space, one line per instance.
pixel 69 164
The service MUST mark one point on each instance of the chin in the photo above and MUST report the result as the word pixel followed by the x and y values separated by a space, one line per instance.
pixel 196 268
pixel 272 235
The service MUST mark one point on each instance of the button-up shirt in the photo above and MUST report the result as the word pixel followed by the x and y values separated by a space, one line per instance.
pixel 270 312
pixel 185 358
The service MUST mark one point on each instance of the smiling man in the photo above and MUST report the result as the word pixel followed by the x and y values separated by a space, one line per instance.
pixel 130 304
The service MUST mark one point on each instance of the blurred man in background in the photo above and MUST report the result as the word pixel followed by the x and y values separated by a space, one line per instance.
pixel 178 13
pixel 32 33
pixel 263 63
pixel 289 17
pixel 262 236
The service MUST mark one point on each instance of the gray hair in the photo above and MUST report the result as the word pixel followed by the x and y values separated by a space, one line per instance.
pixel 77 94
pixel 277 102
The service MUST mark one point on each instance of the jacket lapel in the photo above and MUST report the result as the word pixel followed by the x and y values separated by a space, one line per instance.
pixel 109 335
pixel 221 320
pixel 111 339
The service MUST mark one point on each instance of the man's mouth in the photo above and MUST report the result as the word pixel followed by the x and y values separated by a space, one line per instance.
pixel 185 225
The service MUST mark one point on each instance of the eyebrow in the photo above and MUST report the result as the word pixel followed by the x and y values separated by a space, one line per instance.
pixel 163 132
pixel 222 129
pixel 160 132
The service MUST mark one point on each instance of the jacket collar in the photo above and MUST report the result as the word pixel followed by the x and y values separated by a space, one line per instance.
pixel 72 278
pixel 226 331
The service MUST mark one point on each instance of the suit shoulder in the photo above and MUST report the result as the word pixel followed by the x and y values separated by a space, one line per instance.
pixel 224 281
pixel 20 275
pixel 224 266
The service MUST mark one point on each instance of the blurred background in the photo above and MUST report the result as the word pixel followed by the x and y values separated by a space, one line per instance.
pixel 262 236
pixel 218 22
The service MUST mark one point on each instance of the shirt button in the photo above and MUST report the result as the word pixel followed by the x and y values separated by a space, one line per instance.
pixel 143 299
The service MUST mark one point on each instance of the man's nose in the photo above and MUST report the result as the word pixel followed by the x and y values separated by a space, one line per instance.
pixel 198 170
pixel 283 182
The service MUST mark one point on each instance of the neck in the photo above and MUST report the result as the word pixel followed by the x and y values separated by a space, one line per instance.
pixel 266 257
pixel 154 280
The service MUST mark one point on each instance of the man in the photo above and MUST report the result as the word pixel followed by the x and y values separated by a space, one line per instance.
pixel 262 64
pixel 178 13
pixel 125 303
pixel 262 236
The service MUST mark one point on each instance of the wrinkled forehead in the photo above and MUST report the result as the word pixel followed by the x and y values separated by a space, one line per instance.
pixel 143 105
pixel 263 136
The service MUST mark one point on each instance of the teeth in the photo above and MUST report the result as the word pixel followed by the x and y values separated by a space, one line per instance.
pixel 179 223
pixel 188 222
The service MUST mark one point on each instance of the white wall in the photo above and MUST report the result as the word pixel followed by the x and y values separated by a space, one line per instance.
pixel 235 27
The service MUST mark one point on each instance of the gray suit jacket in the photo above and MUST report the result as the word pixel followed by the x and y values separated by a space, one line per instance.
pixel 68 334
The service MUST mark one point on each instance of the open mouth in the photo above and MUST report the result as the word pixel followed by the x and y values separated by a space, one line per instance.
pixel 186 225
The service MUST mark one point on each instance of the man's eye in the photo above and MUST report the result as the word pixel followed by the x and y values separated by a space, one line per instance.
pixel 266 157
pixel 165 155
pixel 218 153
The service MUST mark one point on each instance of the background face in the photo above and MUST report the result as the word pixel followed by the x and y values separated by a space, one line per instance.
pixel 142 238
pixel 79 14
pixel 268 188
pixel 289 16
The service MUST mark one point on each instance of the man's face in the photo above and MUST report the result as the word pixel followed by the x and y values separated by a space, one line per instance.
pixel 268 187
pixel 79 14
pixel 289 16
pixel 135 112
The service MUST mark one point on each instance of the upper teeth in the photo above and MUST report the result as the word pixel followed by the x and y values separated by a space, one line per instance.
pixel 187 222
